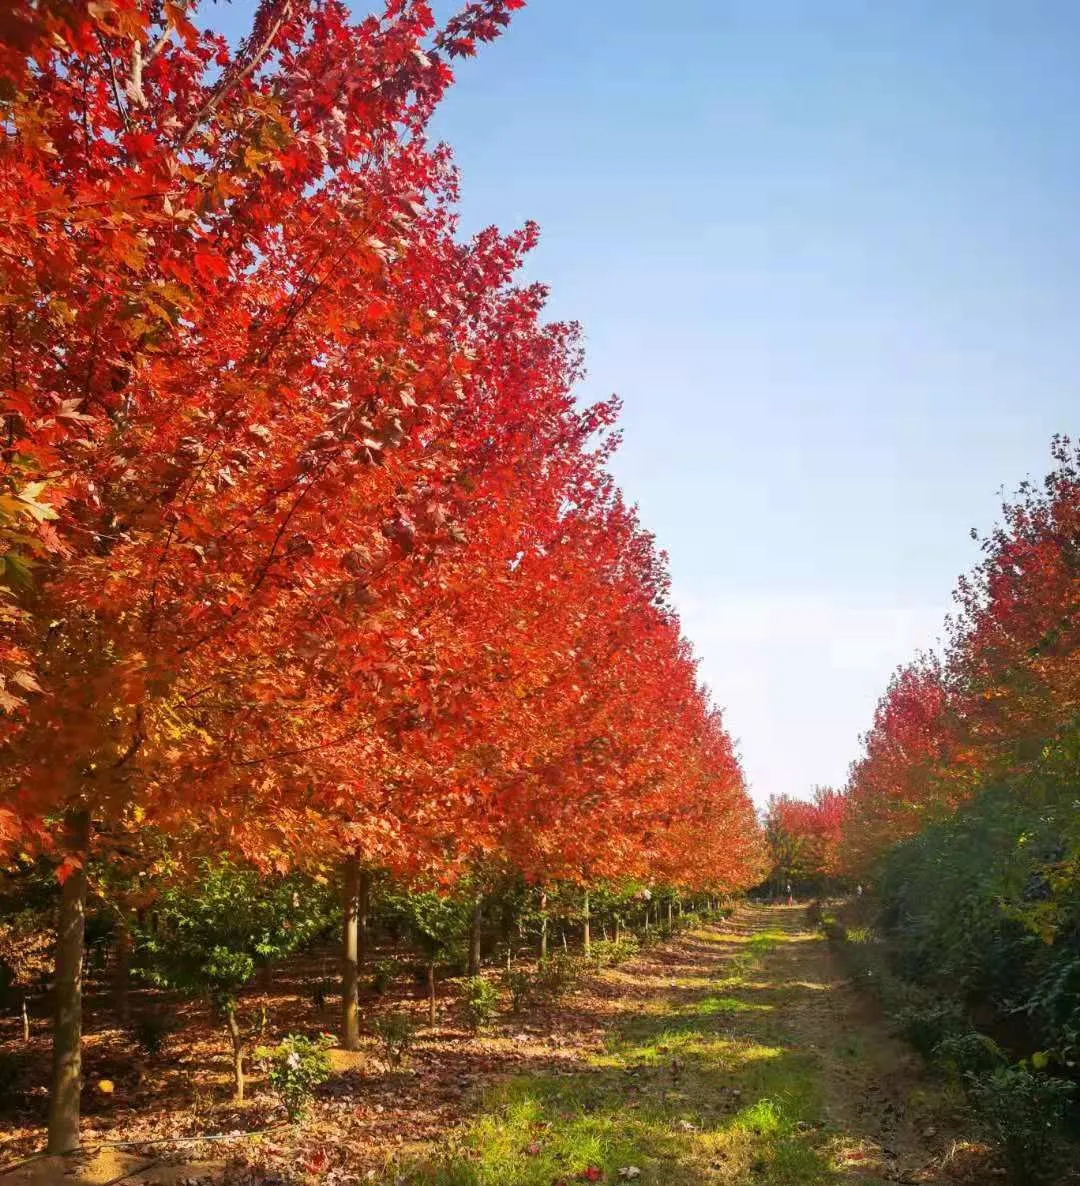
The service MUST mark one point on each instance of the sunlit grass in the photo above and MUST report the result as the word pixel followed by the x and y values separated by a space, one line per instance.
pixel 682 1090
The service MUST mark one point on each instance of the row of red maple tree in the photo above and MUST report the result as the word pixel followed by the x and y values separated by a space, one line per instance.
pixel 310 556
pixel 998 706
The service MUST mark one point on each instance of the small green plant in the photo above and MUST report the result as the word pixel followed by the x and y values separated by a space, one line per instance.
pixel 1024 1111
pixel 557 975
pixel 295 1068
pixel 609 952
pixel 396 1033
pixel 927 1026
pixel 763 942
pixel 739 965
pixel 970 1053
pixel 151 1032
pixel 481 999
pixel 383 974
pixel 521 985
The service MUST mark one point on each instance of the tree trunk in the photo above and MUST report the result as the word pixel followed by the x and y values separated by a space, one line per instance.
pixel 508 934
pixel 350 963
pixel 237 1052
pixel 618 929
pixel 363 910
pixel 25 1022
pixel 474 937
pixel 585 914
pixel 543 925
pixel 431 993
pixel 122 980
pixel 64 1097
pixel 670 915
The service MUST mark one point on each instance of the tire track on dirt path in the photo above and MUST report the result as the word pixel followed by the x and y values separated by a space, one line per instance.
pixel 889 1120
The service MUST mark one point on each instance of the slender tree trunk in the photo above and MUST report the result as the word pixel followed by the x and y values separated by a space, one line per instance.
pixel 64 1098
pixel 363 912
pixel 562 936
pixel 431 993
pixel 237 1039
pixel 543 925
pixel 648 907
pixel 474 936
pixel 618 929
pixel 507 927
pixel 585 914
pixel 122 980
pixel 350 963
pixel 25 1022
pixel 670 915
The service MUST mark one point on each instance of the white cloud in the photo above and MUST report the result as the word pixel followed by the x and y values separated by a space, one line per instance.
pixel 798 675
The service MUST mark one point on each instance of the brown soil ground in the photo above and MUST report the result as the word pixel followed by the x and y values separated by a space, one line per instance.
pixel 177 1125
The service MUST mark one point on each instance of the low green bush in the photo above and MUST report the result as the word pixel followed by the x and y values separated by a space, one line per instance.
pixel 969 1053
pixel 521 984
pixel 609 952
pixel 396 1033
pixel 383 974
pixel 927 1027
pixel 557 975
pixel 1023 1111
pixel 481 1001
pixel 294 1068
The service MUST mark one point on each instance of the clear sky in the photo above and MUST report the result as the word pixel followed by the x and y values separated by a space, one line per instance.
pixel 828 253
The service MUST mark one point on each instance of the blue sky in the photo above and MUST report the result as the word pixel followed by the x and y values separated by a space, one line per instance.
pixel 828 253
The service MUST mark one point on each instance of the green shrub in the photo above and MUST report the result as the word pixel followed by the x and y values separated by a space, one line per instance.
pixel 521 985
pixel 926 1027
pixel 1023 1111
pixel 481 1000
pixel 970 1053
pixel 151 1031
pixel 295 1068
pixel 608 952
pixel 396 1033
pixel 1054 1005
pixel 557 975
pixel 383 974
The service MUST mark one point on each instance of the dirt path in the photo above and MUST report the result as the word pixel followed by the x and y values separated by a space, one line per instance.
pixel 887 1119
pixel 736 1055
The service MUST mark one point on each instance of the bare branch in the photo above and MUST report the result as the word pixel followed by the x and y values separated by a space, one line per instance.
pixel 233 79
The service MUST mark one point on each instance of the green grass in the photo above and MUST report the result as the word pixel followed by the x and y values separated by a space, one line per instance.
pixel 676 1092
pixel 764 942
